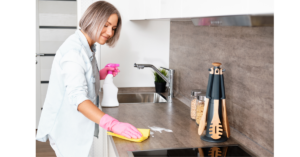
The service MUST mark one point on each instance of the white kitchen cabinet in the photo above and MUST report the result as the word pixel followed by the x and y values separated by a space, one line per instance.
pixel 58 13
pixel 46 64
pixel 152 9
pixel 52 39
pixel 144 9
pixel 170 8
pixel 137 10
pixel 44 88
pixel 206 8
pixel 112 151
pixel 56 21
pixel 262 6
pixel 38 70
pixel 182 9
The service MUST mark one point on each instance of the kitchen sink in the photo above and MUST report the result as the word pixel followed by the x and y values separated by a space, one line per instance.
pixel 141 98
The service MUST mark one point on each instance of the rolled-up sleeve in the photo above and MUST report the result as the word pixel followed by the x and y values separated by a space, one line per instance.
pixel 73 71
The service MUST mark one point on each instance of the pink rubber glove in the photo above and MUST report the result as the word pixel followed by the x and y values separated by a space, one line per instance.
pixel 125 129
pixel 103 72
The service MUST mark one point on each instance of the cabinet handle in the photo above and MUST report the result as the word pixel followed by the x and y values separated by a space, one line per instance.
pixel 39 54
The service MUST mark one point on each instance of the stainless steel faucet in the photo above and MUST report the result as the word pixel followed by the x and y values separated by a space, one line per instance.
pixel 169 80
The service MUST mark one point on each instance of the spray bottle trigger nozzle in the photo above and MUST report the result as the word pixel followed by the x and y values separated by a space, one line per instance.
pixel 113 65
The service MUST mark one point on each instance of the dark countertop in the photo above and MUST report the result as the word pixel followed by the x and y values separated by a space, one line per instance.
pixel 173 116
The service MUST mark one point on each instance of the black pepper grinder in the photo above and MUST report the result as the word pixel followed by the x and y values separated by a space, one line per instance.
pixel 214 109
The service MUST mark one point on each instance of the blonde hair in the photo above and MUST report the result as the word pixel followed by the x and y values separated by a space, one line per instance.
pixel 94 19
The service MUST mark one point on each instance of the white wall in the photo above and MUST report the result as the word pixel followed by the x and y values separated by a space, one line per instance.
pixel 145 42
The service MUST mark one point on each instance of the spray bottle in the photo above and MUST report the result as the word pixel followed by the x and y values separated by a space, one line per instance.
pixel 110 91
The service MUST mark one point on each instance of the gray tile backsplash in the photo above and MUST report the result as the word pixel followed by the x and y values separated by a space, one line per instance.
pixel 247 54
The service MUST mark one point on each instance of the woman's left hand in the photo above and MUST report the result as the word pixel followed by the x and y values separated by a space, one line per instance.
pixel 103 72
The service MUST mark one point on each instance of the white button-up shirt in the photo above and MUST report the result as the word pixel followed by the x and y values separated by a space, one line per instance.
pixel 71 82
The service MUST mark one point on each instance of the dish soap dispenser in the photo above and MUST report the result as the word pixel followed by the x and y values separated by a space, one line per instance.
pixel 110 91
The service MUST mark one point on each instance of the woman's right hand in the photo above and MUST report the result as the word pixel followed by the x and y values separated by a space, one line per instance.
pixel 103 72
pixel 125 129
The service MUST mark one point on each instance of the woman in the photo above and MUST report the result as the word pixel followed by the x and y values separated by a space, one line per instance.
pixel 69 112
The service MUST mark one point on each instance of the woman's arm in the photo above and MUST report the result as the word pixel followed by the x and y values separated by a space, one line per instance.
pixel 73 72
pixel 89 110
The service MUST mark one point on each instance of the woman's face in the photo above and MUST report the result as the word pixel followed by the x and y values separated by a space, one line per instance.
pixel 109 28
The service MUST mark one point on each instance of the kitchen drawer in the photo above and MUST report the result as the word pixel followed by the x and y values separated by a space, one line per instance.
pixel 44 88
pixel 46 64
pixel 52 39
pixel 57 13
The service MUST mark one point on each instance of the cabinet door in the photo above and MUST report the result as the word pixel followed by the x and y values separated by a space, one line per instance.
pixel 204 8
pixel 136 8
pixel 194 8
pixel 37 69
pixel 112 151
pixel 52 39
pixel 152 9
pixel 227 7
pixel 58 13
pixel 170 8
pixel 44 88
pixel 262 7
pixel 167 9
pixel 56 21
pixel 46 64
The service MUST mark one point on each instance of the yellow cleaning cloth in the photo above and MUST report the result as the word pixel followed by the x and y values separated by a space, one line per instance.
pixel 145 133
